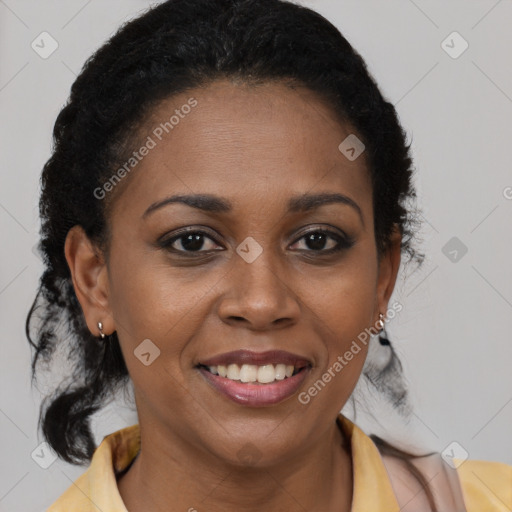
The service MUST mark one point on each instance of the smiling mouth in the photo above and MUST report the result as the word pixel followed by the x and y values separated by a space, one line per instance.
pixel 256 374
pixel 256 379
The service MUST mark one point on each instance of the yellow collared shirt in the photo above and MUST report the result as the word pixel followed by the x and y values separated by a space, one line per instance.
pixel 485 486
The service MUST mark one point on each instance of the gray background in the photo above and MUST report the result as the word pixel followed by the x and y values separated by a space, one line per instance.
pixel 453 333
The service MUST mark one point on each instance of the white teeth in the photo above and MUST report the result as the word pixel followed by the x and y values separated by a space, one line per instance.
pixel 264 374
pixel 280 371
pixel 249 373
pixel 233 372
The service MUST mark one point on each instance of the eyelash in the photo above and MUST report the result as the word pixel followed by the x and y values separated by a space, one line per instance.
pixel 343 242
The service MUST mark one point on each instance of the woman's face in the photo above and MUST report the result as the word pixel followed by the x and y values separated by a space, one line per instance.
pixel 261 272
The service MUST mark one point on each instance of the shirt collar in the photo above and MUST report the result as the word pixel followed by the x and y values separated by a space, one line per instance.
pixel 372 488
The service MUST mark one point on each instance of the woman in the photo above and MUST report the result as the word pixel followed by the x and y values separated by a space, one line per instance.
pixel 224 216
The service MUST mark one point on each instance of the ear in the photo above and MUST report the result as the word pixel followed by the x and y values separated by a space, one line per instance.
pixel 89 274
pixel 389 264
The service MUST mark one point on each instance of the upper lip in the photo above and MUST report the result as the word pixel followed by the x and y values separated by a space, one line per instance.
pixel 241 357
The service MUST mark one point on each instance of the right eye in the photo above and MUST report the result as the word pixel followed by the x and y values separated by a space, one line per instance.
pixel 189 242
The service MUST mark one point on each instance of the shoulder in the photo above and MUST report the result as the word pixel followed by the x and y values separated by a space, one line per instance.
pixel 96 489
pixel 456 484
pixel 485 483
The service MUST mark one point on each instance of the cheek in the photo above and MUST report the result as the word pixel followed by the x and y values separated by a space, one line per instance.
pixel 346 310
pixel 346 351
pixel 345 315
pixel 346 297
pixel 166 305
pixel 156 315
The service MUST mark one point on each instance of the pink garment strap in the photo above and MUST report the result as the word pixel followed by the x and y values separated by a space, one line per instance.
pixel 442 479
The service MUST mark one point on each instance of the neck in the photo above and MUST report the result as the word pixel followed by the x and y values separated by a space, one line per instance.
pixel 317 478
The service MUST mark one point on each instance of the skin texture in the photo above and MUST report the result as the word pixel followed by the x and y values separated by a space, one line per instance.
pixel 257 146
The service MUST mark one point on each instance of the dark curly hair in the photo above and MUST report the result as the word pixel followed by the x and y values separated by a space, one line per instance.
pixel 174 47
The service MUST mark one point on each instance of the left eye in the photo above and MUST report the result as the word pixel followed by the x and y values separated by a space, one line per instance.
pixel 316 241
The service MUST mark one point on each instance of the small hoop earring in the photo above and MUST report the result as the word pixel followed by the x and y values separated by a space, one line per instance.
pixel 380 322
pixel 100 327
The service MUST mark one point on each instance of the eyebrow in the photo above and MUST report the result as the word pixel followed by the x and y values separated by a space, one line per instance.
pixel 215 204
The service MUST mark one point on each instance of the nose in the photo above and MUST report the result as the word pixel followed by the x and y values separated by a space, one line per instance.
pixel 258 296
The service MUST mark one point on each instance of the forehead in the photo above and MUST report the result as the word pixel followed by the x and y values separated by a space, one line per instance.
pixel 252 143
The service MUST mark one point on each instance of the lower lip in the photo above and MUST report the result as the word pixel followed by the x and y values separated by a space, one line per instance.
pixel 256 395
